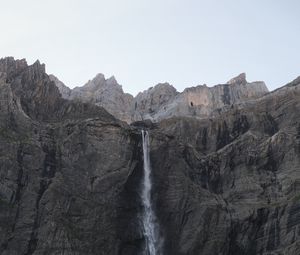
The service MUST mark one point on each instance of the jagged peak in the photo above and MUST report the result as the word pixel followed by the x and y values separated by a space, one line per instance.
pixel 37 62
pixel 160 88
pixel 162 85
pixel 38 66
pixel 10 64
pixel 95 82
pixel 98 82
pixel 99 76
pixel 112 80
pixel 240 79
pixel 10 59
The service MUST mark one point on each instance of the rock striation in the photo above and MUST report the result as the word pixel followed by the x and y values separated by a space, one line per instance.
pixel 200 101
pixel 102 92
pixel 63 89
pixel 228 185
pixel 163 100
pixel 149 103
pixel 70 173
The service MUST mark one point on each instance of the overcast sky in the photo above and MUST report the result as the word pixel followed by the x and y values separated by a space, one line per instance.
pixel 144 42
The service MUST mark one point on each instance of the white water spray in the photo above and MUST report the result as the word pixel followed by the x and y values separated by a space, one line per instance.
pixel 151 230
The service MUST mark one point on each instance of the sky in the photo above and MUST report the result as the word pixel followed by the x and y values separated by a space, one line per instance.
pixel 145 42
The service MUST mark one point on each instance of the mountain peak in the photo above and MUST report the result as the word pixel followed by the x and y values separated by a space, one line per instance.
pixel 9 64
pixel 240 79
pixel 112 80
pixel 38 66
pixel 99 76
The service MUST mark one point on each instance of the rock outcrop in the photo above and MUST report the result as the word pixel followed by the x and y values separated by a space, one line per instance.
pixel 229 184
pixel 200 101
pixel 51 202
pixel 163 101
pixel 63 89
pixel 70 173
pixel 106 93
pixel 149 102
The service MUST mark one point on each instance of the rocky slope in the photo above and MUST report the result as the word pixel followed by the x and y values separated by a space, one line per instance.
pixel 70 174
pixel 229 185
pixel 102 92
pixel 199 102
pixel 163 101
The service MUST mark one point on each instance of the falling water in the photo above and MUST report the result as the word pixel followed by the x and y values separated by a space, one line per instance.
pixel 149 219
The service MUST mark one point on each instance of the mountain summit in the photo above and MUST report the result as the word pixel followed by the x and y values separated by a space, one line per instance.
pixel 217 173
pixel 163 101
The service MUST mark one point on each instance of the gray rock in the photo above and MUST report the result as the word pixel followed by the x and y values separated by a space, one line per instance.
pixel 63 89
pixel 70 173
pixel 149 102
pixel 240 79
pixel 103 92
pixel 163 101
pixel 200 101
pixel 228 185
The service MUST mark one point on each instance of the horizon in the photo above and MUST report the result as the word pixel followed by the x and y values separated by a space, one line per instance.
pixel 116 78
pixel 142 44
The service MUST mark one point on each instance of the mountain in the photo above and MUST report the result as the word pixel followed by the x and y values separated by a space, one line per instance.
pixel 63 89
pixel 199 102
pixel 163 101
pixel 102 92
pixel 71 173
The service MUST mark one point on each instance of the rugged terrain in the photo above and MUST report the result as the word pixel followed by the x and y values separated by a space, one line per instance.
pixel 163 100
pixel 226 181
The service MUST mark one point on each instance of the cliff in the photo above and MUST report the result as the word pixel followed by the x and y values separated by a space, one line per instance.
pixel 70 173
pixel 163 101
pixel 200 101
pixel 102 92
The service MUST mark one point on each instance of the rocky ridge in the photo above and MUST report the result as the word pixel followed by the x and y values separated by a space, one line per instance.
pixel 101 92
pixel 70 174
pixel 163 100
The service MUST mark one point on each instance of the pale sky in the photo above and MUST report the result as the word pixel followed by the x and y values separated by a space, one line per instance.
pixel 144 42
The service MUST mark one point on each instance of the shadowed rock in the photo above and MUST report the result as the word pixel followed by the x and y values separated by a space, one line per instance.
pixel 70 173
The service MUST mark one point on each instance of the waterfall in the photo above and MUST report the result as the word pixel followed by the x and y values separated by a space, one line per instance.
pixel 149 219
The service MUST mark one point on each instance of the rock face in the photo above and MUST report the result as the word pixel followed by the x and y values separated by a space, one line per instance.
pixel 149 102
pixel 63 89
pixel 199 102
pixel 229 185
pixel 70 173
pixel 163 101
pixel 102 92
pixel 51 201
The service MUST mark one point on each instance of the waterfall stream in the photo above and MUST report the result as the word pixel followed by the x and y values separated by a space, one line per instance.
pixel 149 219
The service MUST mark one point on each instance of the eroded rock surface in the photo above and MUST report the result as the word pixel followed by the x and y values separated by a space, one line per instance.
pixel 229 185
pixel 204 102
pixel 70 174
pixel 163 100
pixel 106 93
